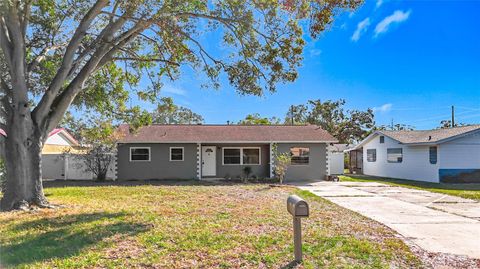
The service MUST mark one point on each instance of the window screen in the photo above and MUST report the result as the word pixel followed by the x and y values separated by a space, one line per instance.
pixel 231 156
pixel 176 154
pixel 251 156
pixel 433 155
pixel 140 154
pixel 395 155
pixel 371 155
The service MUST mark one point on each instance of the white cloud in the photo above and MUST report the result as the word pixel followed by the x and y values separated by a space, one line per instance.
pixel 383 108
pixel 361 29
pixel 315 52
pixel 378 4
pixel 173 90
pixel 397 17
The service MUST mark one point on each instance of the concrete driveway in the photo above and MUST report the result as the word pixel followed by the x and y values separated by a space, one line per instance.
pixel 433 221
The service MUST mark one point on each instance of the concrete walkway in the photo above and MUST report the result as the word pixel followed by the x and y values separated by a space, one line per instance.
pixel 435 222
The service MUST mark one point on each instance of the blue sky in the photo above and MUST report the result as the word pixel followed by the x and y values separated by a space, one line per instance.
pixel 409 60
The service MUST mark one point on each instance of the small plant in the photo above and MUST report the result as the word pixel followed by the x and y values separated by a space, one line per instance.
pixel 247 171
pixel 281 162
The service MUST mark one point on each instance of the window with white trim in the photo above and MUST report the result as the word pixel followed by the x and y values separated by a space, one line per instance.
pixel 241 156
pixel 176 154
pixel 395 155
pixel 251 155
pixel 371 155
pixel 433 155
pixel 300 156
pixel 139 154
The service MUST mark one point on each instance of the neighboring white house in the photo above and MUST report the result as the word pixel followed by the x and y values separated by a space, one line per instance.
pixel 442 155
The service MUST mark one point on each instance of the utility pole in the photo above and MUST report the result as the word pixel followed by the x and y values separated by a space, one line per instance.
pixel 291 113
pixel 453 116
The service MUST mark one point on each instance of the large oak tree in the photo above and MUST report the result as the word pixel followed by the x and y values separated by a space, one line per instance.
pixel 93 54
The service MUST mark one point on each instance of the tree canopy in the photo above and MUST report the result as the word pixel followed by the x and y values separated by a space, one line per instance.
pixel 256 119
pixel 169 113
pixel 348 126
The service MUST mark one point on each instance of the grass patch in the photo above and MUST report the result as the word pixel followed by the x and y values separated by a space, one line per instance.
pixel 191 226
pixel 469 191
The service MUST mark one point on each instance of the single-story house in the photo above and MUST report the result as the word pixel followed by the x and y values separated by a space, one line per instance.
pixel 58 160
pixel 441 155
pixel 221 151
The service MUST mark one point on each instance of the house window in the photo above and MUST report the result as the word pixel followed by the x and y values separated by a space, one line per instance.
pixel 382 139
pixel 433 155
pixel 395 155
pixel 251 156
pixel 241 156
pixel 371 155
pixel 231 156
pixel 140 154
pixel 300 156
pixel 176 154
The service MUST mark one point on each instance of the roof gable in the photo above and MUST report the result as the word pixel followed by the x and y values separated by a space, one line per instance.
pixel 226 133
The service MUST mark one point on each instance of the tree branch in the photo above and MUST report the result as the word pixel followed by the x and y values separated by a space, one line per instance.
pixel 42 55
pixel 42 109
pixel 140 59
pixel 100 57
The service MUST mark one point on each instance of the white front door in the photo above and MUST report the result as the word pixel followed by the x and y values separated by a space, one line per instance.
pixel 209 161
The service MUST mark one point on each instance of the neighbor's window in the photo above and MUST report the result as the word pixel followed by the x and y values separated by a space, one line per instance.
pixel 371 155
pixel 139 154
pixel 251 156
pixel 300 156
pixel 395 155
pixel 433 155
pixel 382 139
pixel 231 156
pixel 176 154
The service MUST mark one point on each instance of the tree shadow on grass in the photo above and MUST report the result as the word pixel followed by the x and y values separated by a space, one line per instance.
pixel 65 236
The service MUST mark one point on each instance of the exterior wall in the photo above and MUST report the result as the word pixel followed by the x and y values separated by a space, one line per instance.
pixel 317 167
pixel 236 171
pixel 159 166
pixel 460 159
pixel 415 165
pixel 57 139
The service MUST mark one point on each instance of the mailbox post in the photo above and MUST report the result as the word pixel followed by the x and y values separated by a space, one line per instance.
pixel 298 208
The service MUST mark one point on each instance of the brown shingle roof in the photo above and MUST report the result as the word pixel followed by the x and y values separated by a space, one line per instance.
pixel 429 136
pixel 226 133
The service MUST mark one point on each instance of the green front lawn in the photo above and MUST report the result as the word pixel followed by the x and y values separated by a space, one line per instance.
pixel 190 226
pixel 470 191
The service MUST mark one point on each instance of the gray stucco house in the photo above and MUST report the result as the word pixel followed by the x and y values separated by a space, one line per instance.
pixel 220 151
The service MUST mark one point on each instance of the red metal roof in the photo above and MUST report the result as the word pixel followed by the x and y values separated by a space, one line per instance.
pixel 225 133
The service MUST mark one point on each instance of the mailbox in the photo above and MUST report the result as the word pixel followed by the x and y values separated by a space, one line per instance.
pixel 297 207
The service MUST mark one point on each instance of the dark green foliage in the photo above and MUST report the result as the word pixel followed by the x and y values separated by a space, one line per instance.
pixel 256 119
pixel 348 126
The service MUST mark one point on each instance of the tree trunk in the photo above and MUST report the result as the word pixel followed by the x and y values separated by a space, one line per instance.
pixel 23 147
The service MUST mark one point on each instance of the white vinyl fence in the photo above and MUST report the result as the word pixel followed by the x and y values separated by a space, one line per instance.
pixel 68 167
pixel 336 163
